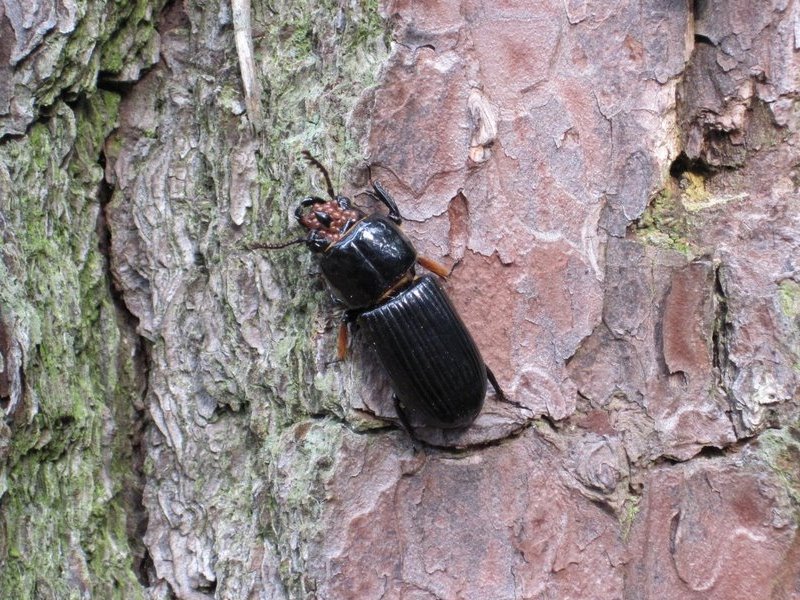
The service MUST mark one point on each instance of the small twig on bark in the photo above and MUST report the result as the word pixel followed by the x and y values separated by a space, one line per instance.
pixel 243 35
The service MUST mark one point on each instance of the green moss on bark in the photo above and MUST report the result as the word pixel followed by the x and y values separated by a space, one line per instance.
pixel 66 470
pixel 781 449
pixel 789 297
pixel 316 62
pixel 63 511
pixel 108 37
pixel 308 452
pixel 665 223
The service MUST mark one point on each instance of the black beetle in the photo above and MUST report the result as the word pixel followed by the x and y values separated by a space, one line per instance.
pixel 436 371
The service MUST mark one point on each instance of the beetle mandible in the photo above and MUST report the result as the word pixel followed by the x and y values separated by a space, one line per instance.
pixel 435 369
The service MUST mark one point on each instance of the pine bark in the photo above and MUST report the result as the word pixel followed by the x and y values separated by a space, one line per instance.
pixel 616 188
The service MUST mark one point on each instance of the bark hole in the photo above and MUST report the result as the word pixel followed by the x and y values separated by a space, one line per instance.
pixel 699 38
pixel 684 164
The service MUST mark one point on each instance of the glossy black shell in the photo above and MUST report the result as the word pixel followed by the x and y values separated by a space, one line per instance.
pixel 433 363
pixel 368 261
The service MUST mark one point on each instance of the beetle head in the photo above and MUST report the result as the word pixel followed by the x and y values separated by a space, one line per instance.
pixel 326 221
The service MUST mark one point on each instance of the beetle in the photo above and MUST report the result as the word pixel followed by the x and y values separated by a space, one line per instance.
pixel 436 371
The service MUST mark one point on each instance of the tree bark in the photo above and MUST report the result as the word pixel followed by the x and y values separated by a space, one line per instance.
pixel 616 188
pixel 72 369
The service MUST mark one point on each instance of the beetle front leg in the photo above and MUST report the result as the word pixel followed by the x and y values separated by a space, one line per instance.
pixel 316 242
pixel 383 196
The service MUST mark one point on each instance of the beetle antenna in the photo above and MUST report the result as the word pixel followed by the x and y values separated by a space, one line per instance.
pixel 275 246
pixel 319 165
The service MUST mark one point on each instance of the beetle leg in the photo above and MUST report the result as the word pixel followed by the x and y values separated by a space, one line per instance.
pixel 348 317
pixel 315 242
pixel 405 424
pixel 311 200
pixel 495 385
pixel 499 393
pixel 433 266
pixel 383 196
pixel 341 342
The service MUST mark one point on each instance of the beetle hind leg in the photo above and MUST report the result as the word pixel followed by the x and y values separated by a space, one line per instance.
pixel 497 389
pixel 499 393
pixel 405 424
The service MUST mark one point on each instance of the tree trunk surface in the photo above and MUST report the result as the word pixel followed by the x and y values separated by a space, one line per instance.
pixel 615 185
